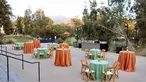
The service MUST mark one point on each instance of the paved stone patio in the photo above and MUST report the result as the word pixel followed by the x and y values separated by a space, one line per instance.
pixel 51 73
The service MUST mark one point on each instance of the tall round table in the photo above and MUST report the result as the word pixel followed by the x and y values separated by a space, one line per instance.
pixel 28 47
pixel 63 57
pixel 64 45
pixel 99 67
pixel 127 60
pixel 36 43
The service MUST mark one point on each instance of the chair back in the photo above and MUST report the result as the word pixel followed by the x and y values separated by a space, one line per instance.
pixel 116 64
pixel 49 47
pixel 84 62
pixel 102 53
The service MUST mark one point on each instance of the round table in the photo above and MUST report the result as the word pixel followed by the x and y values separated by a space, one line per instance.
pixel 28 47
pixel 127 60
pixel 96 53
pixel 99 67
pixel 20 45
pixel 45 49
pixel 36 43
pixel 63 57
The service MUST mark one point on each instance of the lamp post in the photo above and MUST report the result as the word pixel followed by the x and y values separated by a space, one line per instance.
pixel 126 25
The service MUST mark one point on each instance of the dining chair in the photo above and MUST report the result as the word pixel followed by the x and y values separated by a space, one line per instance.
pixel 89 73
pixel 84 62
pixel 50 53
pixel 35 53
pixel 102 54
pixel 116 65
pixel 90 54
pixel 14 45
pixel 49 46
pixel 108 73
pixel 86 53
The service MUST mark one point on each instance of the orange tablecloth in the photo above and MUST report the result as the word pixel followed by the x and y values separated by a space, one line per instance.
pixel 65 45
pixel 36 43
pixel 28 47
pixel 127 61
pixel 63 57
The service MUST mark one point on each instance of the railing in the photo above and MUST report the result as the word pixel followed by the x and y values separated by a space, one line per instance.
pixel 6 52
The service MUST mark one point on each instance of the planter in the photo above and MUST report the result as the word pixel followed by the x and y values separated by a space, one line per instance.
pixel 80 45
pixel 118 49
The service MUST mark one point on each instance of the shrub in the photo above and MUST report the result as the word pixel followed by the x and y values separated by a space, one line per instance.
pixel 59 40
pixel 9 41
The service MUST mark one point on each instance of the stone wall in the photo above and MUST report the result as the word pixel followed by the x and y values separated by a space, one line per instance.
pixel 86 45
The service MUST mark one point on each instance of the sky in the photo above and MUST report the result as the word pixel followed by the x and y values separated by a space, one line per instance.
pixel 68 8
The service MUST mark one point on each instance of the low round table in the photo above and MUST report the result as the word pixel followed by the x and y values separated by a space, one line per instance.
pixel 99 67
pixel 20 45
pixel 96 53
pixel 127 60
pixel 63 57
pixel 45 49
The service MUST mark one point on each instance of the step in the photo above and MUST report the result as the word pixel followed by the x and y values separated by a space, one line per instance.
pixel 3 75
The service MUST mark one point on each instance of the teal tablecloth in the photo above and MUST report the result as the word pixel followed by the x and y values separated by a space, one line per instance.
pixel 99 67
pixel 19 45
pixel 96 53
pixel 45 49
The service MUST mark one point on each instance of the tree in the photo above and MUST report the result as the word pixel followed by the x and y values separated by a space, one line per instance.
pixel 27 21
pixel 5 14
pixel 139 9
pixel 61 28
pixel 19 24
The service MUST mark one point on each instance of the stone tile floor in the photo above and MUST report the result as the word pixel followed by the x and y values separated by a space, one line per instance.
pixel 51 73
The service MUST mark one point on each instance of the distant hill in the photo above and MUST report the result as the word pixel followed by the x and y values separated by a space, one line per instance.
pixel 59 19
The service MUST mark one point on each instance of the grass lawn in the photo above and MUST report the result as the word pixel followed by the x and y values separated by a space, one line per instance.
pixel 20 38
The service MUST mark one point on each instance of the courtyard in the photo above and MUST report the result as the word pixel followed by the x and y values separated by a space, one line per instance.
pixel 52 73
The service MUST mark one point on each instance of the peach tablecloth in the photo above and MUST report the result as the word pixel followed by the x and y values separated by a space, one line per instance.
pixel 36 43
pixel 28 47
pixel 65 45
pixel 127 61
pixel 63 57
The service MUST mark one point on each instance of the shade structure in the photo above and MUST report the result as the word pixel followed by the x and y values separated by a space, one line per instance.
pixel 66 33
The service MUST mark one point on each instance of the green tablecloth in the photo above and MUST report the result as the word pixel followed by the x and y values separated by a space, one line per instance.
pixel 96 53
pixel 45 49
pixel 99 67
pixel 19 45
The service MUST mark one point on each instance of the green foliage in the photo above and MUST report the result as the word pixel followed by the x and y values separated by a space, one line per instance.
pixel 27 21
pixel 5 13
pixel 139 9
pixel 60 29
pixel 17 38
pixel 104 23
pixel 59 40
pixel 37 24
